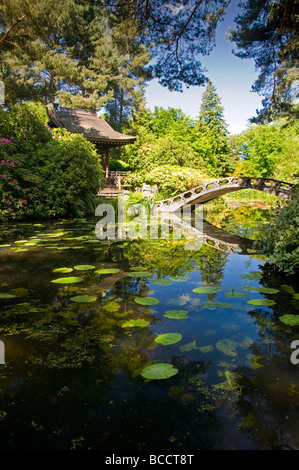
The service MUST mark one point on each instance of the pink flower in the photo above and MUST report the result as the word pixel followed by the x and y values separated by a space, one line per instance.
pixel 7 163
pixel 27 189
pixel 25 130
pixel 25 200
pixel 12 163
pixel 4 176
pixel 7 200
pixel 2 161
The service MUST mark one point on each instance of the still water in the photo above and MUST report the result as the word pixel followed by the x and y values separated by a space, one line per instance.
pixel 142 344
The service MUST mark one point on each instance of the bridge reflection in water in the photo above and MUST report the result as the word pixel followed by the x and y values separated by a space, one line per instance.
pixel 209 235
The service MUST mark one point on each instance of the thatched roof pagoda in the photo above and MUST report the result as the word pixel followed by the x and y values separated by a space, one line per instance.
pixel 92 126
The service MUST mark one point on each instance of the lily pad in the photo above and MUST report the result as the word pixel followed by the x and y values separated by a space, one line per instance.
pixel 267 290
pixel 168 338
pixel 139 274
pixel 140 323
pixel 163 282
pixel 107 271
pixel 83 298
pixel 261 302
pixel 227 346
pixel 213 305
pixel 188 347
pixel 159 371
pixel 207 290
pixel 252 275
pixel 146 300
pixel 288 289
pixel 234 294
pixel 84 267
pixel 206 349
pixel 67 280
pixel 62 270
pixel 292 320
pixel 7 296
pixel 176 314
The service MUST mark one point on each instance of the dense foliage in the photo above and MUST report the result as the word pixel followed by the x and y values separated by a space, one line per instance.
pixel 169 179
pixel 269 150
pixel 280 241
pixel 168 136
pixel 44 172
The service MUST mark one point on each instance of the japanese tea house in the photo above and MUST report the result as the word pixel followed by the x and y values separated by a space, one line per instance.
pixel 92 126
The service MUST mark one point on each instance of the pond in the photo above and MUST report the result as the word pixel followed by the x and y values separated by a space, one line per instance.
pixel 143 345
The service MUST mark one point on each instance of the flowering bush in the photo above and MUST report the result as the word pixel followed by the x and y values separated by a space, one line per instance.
pixel 43 172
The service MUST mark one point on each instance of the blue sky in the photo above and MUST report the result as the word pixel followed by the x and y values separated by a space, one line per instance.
pixel 233 78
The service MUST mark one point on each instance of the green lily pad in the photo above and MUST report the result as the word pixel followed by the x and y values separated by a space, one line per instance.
pixel 288 289
pixel 252 275
pixel 62 270
pixel 159 371
pixel 83 298
pixel 212 305
pixel 234 294
pixel 206 349
pixel 261 302
pixel 188 347
pixel 227 346
pixel 7 296
pixel 67 280
pixel 176 314
pixel 84 267
pixel 163 282
pixel 146 300
pixel 139 274
pixel 168 338
pixel 107 271
pixel 140 323
pixel 207 290
pixel 292 320
pixel 267 290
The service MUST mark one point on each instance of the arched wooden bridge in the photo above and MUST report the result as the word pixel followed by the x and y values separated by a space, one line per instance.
pixel 213 189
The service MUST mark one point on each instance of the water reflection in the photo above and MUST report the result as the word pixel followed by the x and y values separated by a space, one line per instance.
pixel 72 376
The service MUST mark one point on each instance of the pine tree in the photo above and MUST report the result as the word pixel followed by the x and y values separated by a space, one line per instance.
pixel 213 143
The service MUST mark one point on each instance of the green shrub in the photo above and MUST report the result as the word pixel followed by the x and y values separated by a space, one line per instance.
pixel 280 241
pixel 170 179
pixel 44 172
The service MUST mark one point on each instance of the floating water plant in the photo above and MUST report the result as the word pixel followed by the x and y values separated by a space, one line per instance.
pixel 237 295
pixel 140 323
pixel 292 320
pixel 67 280
pixel 163 282
pixel 176 314
pixel 227 346
pixel 212 305
pixel 7 296
pixel 252 275
pixel 261 302
pixel 267 290
pixel 84 267
pixel 207 290
pixel 62 270
pixel 107 271
pixel 159 371
pixel 146 300
pixel 139 274
pixel 83 298
pixel 168 338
